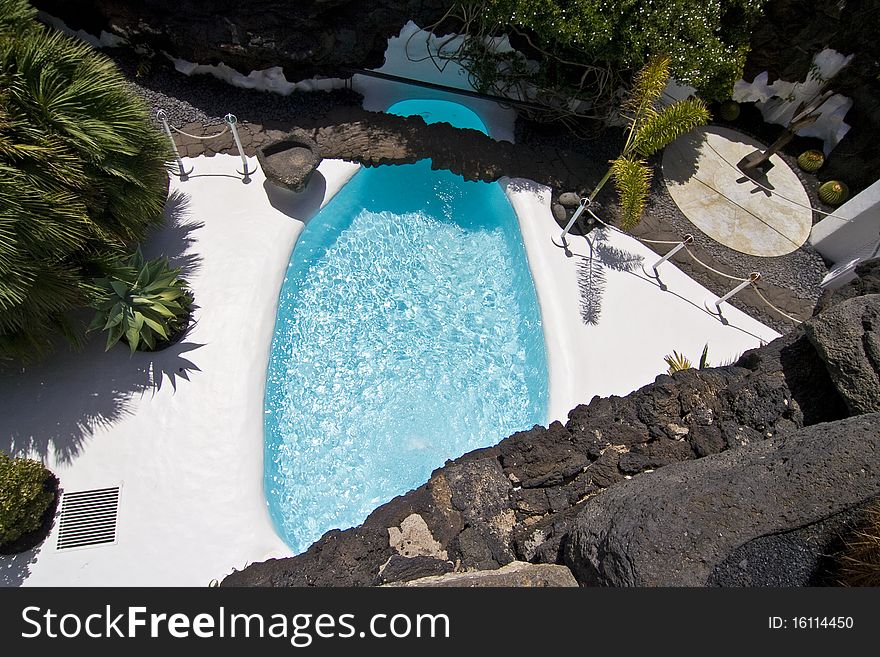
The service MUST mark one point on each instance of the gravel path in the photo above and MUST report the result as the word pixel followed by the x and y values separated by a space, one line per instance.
pixel 205 99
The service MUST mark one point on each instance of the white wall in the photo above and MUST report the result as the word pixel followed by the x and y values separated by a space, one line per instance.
pixel 857 229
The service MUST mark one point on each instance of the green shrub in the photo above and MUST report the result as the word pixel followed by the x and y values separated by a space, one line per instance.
pixel 82 177
pixel 146 304
pixel 586 49
pixel 833 192
pixel 23 497
pixel 811 160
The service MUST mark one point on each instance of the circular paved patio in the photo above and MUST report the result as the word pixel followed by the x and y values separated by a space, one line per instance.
pixel 728 206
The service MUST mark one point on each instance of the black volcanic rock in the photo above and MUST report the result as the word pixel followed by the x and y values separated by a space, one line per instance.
pixel 305 37
pixel 847 339
pixel 674 526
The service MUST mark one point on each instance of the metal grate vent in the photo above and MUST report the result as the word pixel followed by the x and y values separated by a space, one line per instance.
pixel 88 518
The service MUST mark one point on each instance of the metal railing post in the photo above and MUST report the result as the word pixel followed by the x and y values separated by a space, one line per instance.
pixel 164 119
pixel 754 277
pixel 687 240
pixel 577 213
pixel 231 120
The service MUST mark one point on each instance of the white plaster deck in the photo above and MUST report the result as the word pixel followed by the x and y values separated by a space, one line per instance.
pixel 182 430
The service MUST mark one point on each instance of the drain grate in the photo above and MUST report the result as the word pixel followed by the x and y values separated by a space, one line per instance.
pixel 88 518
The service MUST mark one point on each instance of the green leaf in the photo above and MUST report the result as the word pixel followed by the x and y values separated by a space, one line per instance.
pixel 664 127
pixel 157 327
pixel 632 178
pixel 120 288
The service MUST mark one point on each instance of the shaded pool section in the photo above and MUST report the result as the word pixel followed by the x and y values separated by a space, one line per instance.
pixel 408 332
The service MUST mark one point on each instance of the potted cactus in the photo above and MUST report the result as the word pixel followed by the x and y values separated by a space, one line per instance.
pixel 810 161
pixel 833 192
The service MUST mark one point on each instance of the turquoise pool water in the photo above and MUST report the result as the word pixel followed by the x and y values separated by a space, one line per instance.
pixel 408 333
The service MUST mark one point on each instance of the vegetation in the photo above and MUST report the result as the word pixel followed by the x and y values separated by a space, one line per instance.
pixel 859 561
pixel 811 160
pixel 678 362
pixel 146 304
pixel 651 128
pixel 24 497
pixel 833 192
pixel 576 55
pixel 82 177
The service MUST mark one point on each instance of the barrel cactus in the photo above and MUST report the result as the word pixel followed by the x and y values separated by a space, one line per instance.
pixel 811 160
pixel 729 110
pixel 833 192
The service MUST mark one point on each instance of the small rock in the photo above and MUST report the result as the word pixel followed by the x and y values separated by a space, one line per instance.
pixel 559 212
pixel 570 199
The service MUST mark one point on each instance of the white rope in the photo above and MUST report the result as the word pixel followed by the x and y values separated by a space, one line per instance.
pixel 623 232
pixel 702 264
pixel 767 189
pixel 765 300
pixel 712 269
pixel 186 134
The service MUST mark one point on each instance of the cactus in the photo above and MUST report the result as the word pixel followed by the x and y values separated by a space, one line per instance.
pixel 833 192
pixel 811 161
pixel 729 110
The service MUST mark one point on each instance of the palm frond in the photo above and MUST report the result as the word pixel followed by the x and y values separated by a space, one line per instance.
pixel 632 178
pixel 648 84
pixel 662 128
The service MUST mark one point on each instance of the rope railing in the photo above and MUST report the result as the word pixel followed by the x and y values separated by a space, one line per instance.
pixel 231 122
pixel 769 190
pixel 682 244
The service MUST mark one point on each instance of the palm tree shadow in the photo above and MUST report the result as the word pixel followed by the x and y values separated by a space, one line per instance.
pixel 174 238
pixel 55 406
pixel 591 272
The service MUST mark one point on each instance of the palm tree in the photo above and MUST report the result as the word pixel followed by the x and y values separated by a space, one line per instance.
pixel 82 177
pixel 650 128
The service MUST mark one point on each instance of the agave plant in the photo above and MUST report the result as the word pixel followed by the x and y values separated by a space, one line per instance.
pixel 651 128
pixel 82 177
pixel 146 303
pixel 678 362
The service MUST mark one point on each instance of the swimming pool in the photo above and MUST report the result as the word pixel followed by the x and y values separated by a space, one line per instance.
pixel 408 332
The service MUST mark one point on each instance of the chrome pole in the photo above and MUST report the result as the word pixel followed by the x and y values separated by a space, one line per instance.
pixel 231 120
pixel 163 117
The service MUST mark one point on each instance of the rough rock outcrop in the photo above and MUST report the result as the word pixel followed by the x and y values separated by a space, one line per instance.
pixel 516 573
pixel 867 281
pixel 847 339
pixel 674 526
pixel 305 37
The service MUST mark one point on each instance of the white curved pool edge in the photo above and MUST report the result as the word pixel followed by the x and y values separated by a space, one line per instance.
pixel 639 324
pixel 530 202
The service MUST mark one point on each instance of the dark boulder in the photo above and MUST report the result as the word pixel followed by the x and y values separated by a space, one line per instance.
pixel 847 339
pixel 673 527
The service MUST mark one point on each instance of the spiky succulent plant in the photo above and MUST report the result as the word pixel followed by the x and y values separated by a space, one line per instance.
pixel 146 304
pixel 651 128
pixel 811 160
pixel 833 192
